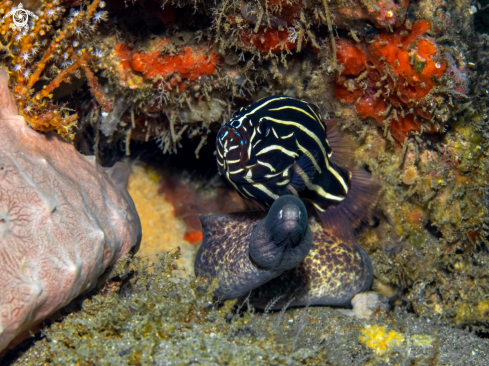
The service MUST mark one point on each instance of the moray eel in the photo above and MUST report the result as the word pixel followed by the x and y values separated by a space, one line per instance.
pixel 282 253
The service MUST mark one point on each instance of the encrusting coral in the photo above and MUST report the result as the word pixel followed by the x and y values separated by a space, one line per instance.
pixel 63 221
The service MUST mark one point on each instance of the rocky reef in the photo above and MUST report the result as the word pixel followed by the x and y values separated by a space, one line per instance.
pixel 406 80
pixel 147 316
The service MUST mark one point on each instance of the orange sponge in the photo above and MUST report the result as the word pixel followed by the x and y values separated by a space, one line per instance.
pixel 391 78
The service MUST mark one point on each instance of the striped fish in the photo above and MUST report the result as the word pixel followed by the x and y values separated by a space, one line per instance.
pixel 277 146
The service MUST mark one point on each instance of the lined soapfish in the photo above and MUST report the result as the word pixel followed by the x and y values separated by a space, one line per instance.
pixel 279 145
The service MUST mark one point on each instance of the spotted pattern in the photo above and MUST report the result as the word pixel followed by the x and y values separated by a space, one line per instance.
pixel 332 273
pixel 219 256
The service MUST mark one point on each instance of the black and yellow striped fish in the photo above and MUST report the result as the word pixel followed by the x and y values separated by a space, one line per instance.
pixel 277 146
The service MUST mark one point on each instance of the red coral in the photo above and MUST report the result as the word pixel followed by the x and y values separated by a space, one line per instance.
pixel 187 66
pixel 193 236
pixel 392 78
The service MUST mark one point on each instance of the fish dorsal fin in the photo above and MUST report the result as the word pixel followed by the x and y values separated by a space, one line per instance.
pixel 340 144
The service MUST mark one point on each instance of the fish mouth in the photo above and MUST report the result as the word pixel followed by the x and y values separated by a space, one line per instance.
pixel 291 233
pixel 288 225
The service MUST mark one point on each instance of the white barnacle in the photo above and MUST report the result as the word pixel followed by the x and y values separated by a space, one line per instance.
pixel 292 34
pixel 27 73
pixel 51 13
pixel 25 57
pixel 65 64
pixel 79 32
pixel 98 53
pixel 100 16
pixel 18 68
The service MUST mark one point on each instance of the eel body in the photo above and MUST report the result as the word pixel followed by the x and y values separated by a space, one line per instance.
pixel 331 272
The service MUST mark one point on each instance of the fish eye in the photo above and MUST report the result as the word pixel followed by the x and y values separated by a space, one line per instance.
pixel 235 124
pixel 264 127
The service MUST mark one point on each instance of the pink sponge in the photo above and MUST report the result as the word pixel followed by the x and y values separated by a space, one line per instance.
pixel 63 221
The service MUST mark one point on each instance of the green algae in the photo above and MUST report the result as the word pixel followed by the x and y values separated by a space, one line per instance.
pixel 146 316
pixel 155 316
pixel 417 238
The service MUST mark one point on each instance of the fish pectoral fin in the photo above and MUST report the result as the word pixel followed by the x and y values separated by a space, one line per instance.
pixel 306 164
pixel 301 173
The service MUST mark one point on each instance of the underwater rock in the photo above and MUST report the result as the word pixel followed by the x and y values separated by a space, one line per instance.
pixel 366 304
pixel 63 221
pixel 159 66
pixel 382 13
pixel 430 247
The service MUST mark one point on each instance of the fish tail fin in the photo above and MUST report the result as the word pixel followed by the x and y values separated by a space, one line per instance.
pixel 340 143
pixel 358 207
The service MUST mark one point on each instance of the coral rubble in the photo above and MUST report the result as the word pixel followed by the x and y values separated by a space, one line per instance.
pixel 63 221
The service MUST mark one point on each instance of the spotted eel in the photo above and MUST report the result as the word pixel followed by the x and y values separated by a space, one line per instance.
pixel 283 253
